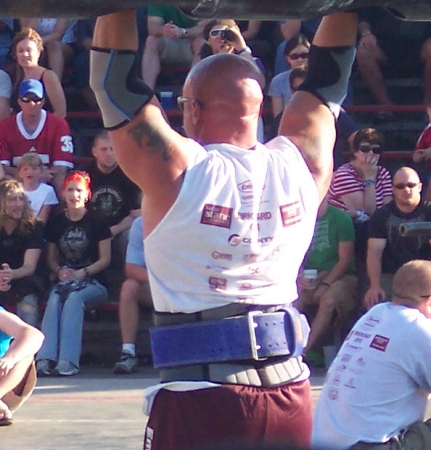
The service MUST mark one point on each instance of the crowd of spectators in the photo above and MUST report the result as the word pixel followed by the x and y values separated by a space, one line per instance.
pixel 40 57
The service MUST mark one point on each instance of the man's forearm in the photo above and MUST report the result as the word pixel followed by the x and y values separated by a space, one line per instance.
pixel 196 31
pixel 23 271
pixel 374 269
pixel 337 272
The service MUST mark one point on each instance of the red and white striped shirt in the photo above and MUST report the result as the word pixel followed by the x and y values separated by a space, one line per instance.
pixel 346 180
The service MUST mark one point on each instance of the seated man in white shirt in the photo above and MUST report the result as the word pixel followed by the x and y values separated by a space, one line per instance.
pixel 376 390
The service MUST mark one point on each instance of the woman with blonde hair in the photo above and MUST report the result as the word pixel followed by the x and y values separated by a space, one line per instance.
pixel 21 243
pixel 26 50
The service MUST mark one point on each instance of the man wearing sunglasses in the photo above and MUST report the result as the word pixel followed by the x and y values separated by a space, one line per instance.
pixel 227 224
pixel 387 250
pixel 35 130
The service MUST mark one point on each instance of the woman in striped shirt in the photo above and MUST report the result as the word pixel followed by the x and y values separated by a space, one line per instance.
pixel 361 186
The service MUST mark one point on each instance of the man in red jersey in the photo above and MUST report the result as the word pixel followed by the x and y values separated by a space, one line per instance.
pixel 35 130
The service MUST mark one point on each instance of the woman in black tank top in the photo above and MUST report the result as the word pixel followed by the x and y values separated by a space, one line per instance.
pixel 26 50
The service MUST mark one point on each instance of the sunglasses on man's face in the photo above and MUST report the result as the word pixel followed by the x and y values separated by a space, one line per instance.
pixel 295 56
pixel 365 148
pixel 404 185
pixel 28 99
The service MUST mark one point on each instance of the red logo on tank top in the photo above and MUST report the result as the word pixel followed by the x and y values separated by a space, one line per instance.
pixel 290 214
pixel 217 216
pixel 379 343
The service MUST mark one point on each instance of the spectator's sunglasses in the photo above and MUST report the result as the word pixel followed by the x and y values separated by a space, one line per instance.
pixel 29 98
pixel 217 32
pixel 366 148
pixel 295 56
pixel 401 186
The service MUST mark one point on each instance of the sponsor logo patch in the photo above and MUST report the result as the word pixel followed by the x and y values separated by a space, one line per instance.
pixel 379 343
pixel 217 216
pixel 290 214
pixel 218 255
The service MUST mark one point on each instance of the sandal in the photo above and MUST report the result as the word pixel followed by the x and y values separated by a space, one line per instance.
pixel 6 420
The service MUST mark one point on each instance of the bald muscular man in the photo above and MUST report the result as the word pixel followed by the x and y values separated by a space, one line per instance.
pixel 227 223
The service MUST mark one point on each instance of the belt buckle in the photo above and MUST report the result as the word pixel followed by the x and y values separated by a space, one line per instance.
pixel 252 325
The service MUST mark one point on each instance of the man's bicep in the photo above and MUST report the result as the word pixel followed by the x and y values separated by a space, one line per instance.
pixel 376 246
pixel 149 151
pixel 311 127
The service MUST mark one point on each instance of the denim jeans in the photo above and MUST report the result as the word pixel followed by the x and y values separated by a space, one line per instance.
pixel 27 309
pixel 62 323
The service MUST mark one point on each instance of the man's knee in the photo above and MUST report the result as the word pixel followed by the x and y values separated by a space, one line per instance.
pixel 129 291
pixel 153 44
pixel 327 303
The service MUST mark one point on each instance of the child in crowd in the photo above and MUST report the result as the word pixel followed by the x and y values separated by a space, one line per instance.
pixel 41 196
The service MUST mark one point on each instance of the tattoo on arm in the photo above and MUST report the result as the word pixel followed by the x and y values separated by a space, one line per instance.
pixel 155 142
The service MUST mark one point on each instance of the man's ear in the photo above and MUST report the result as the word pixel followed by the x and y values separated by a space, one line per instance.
pixel 196 112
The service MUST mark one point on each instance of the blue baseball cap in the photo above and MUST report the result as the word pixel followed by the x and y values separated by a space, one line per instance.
pixel 31 86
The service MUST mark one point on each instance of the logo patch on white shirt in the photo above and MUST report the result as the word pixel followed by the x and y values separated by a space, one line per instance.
pixel 217 216
pixel 379 343
pixel 290 214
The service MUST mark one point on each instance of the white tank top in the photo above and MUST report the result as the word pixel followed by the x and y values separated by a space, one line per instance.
pixel 238 231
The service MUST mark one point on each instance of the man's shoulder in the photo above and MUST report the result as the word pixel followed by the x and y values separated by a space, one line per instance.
pixel 338 213
pixel 384 212
pixel 53 119
pixel 157 10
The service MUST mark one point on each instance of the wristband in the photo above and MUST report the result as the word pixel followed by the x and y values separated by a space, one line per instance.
pixel 246 50
pixel 184 32
pixel 369 182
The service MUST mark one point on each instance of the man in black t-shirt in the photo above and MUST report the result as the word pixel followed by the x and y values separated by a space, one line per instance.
pixel 114 197
pixel 387 250
pixel 21 241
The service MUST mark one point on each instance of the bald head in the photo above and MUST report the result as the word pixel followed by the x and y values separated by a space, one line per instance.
pixel 412 281
pixel 228 80
pixel 406 173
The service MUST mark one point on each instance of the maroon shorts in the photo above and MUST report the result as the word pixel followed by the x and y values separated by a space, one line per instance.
pixel 231 414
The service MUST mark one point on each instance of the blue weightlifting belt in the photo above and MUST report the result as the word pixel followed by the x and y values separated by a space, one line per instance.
pixel 254 336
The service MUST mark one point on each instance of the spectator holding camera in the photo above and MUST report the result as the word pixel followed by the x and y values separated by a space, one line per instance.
pixel 224 36
pixel 78 250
